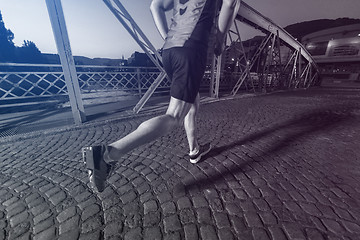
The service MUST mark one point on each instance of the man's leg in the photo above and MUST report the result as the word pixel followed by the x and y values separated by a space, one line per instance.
pixel 190 125
pixel 151 129
pixel 99 159
pixel 196 151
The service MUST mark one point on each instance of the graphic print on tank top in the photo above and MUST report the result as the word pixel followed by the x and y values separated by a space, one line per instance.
pixel 191 23
pixel 183 8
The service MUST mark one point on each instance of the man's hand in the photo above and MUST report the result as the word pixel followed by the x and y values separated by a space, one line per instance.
pixel 219 46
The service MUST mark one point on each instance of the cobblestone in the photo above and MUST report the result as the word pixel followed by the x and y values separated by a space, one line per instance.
pixel 150 206
pixel 43 226
pixel 152 219
pixel 187 216
pixel 19 218
pixel 153 233
pixel 70 224
pixel 66 214
pixel 90 211
pixel 113 229
pixel 172 224
pixel 283 166
pixel 208 232
pixel 43 216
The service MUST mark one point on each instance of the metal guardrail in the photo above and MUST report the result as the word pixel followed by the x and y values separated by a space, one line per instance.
pixel 25 81
pixel 37 80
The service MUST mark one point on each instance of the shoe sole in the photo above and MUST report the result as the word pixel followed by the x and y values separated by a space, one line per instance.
pixel 88 158
pixel 87 153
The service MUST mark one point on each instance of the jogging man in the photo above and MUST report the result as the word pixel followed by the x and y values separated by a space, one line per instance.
pixel 184 59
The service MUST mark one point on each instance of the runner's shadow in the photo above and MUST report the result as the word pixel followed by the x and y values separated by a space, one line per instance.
pixel 313 122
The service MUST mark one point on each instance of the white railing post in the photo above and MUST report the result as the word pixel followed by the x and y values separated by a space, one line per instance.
pixel 138 78
pixel 67 61
pixel 215 76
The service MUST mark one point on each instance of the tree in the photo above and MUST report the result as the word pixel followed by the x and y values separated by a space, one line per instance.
pixel 7 47
pixel 29 53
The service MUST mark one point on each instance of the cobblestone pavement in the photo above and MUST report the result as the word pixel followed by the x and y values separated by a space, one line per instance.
pixel 283 166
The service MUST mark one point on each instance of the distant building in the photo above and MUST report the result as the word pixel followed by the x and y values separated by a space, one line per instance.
pixel 336 51
pixel 138 59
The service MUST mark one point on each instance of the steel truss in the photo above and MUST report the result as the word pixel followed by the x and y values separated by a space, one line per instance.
pixel 255 57
pixel 299 75
pixel 218 63
pixel 57 20
pixel 269 63
pixel 240 61
pixel 134 30
pixel 266 63
pixel 272 73
pixel 270 69
pixel 299 71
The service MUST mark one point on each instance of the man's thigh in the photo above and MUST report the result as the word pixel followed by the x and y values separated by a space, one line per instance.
pixel 186 68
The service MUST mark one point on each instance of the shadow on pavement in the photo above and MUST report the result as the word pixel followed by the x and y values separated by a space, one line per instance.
pixel 309 123
pixel 30 118
pixel 56 116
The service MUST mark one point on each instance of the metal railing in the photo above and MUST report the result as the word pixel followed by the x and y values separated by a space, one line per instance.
pixel 24 83
pixel 37 80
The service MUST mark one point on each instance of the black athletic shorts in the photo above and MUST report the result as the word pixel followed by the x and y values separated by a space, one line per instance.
pixel 185 67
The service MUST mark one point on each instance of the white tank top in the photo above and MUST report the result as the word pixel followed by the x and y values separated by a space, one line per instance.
pixel 191 23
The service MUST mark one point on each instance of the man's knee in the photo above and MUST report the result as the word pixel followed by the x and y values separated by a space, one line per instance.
pixel 178 109
pixel 176 118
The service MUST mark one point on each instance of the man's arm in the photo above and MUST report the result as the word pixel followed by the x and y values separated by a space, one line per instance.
pixel 158 9
pixel 227 16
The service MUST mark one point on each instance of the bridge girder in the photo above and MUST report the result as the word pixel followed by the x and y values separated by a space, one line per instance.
pixel 245 14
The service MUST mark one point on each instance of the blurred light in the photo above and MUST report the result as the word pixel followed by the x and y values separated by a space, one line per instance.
pixel 310 46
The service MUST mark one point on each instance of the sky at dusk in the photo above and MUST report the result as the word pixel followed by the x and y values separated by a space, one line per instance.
pixel 95 32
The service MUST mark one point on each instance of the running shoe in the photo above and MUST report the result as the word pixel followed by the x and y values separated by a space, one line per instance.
pixel 203 150
pixel 97 168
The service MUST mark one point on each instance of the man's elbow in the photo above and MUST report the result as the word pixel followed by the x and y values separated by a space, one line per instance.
pixel 155 6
